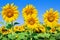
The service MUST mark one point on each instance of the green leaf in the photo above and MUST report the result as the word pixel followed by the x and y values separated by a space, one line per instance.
pixel 48 28
pixel 34 34
pixel 41 35
pixel 36 37
pixel 4 38
pixel 16 23
pixel 58 36
pixel 9 26
pixel 52 38
pixel 44 35
pixel 47 35
pixel 22 35
pixel 0 35
pixel 12 36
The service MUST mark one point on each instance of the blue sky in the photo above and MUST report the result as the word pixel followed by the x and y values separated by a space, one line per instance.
pixel 40 5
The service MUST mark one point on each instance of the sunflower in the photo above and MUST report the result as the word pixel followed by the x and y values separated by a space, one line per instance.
pixel 53 30
pixel 10 12
pixel 19 28
pixel 5 31
pixel 31 22
pixel 22 28
pixel 29 10
pixel 51 18
pixel 40 28
pixel 16 28
pixel 58 27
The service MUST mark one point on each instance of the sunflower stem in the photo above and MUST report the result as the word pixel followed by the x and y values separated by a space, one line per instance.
pixel 12 23
pixel 31 39
pixel 31 34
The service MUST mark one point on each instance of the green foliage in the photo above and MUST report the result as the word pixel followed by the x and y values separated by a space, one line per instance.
pixel 4 38
pixel 9 26
pixel 44 35
pixel 52 38
pixel 29 35
pixel 12 36
pixel 58 36
pixel 48 28
pixel 16 23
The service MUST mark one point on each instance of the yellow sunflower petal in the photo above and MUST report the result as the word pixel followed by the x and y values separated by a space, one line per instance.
pixel 51 18
pixel 29 10
pixel 10 12
pixel 31 22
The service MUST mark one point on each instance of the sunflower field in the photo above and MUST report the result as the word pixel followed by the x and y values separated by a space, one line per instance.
pixel 32 29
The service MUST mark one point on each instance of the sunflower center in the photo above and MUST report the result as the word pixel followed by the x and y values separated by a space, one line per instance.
pixel 16 27
pixel 51 18
pixel 29 11
pixel 4 30
pixel 9 13
pixel 31 21
pixel 53 29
